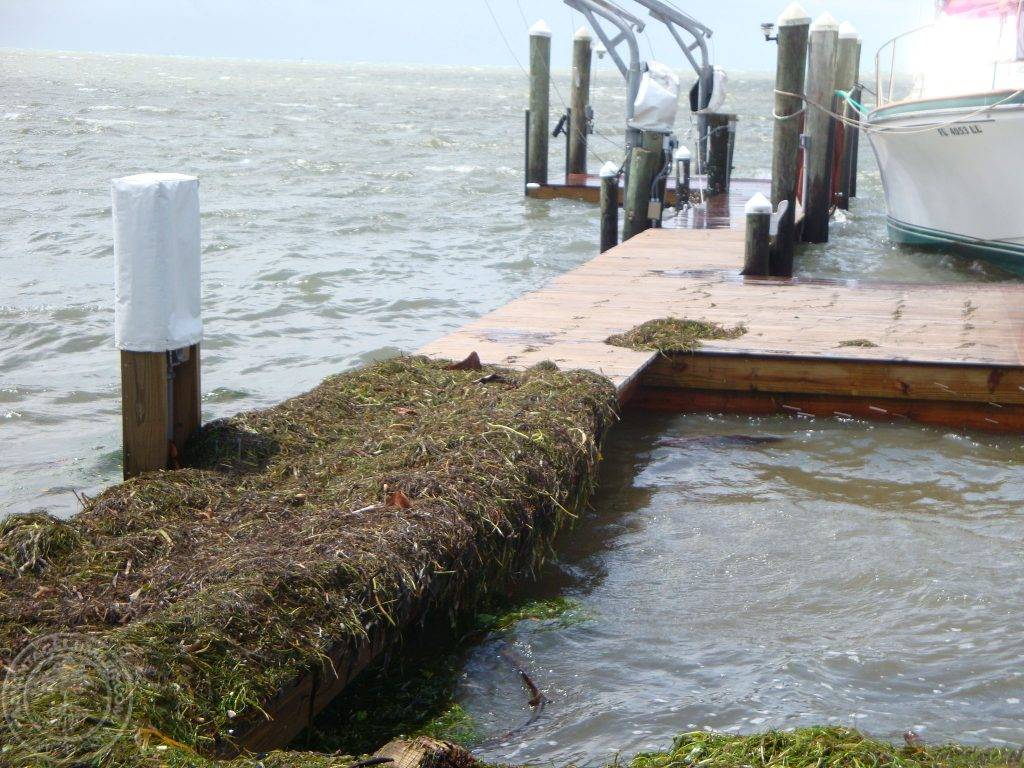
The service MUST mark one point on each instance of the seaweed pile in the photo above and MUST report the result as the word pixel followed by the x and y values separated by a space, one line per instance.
pixel 834 747
pixel 296 537
pixel 674 335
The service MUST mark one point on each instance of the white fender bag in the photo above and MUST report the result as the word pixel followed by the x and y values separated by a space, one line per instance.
pixel 657 101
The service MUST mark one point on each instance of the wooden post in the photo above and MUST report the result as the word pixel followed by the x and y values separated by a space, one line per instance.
pixel 721 133
pixel 145 411
pixel 186 396
pixel 790 71
pixel 683 163
pixel 644 162
pixel 846 80
pixel 526 156
pixel 855 152
pixel 609 206
pixel 757 252
pixel 540 106
pixel 579 101
pixel 156 316
pixel 820 88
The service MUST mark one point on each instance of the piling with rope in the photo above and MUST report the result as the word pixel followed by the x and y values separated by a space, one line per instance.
pixel 846 80
pixel 609 206
pixel 157 317
pixel 790 70
pixel 579 101
pixel 645 160
pixel 721 145
pixel 757 248
pixel 540 104
pixel 820 89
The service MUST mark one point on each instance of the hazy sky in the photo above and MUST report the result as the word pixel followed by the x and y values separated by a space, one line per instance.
pixel 428 31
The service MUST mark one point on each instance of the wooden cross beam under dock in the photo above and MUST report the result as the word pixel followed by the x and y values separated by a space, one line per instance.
pixel 948 355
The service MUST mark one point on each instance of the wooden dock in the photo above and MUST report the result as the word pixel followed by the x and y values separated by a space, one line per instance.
pixel 950 355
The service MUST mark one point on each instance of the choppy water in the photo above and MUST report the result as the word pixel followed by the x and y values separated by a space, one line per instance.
pixel 847 574
pixel 855 572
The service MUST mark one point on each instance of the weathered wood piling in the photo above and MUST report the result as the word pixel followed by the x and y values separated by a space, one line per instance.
pixel 579 101
pixel 609 206
pixel 793 29
pixel 757 249
pixel 847 66
pixel 820 89
pixel 540 105
pixel 157 316
pixel 645 161
pixel 721 145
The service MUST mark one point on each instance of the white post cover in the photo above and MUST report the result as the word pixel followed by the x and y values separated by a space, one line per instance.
pixel 157 261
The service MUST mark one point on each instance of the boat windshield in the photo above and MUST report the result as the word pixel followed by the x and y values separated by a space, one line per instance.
pixel 974 46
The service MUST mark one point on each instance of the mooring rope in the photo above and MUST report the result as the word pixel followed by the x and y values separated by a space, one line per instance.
pixel 905 130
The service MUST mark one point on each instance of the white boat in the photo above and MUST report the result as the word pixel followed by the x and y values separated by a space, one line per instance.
pixel 948 131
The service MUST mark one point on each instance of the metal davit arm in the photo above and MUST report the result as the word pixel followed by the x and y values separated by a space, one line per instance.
pixel 677 20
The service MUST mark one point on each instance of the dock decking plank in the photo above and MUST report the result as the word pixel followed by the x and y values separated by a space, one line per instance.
pixel 926 335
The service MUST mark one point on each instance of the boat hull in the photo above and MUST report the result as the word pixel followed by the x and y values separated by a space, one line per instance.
pixel 953 173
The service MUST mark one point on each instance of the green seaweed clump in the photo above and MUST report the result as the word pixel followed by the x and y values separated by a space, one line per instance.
pixel 814 748
pixel 562 611
pixel 674 335
pixel 857 343
pixel 28 542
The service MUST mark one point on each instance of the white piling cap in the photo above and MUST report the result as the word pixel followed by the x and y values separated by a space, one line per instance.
pixel 793 16
pixel 825 23
pixel 540 29
pixel 609 169
pixel 533 185
pixel 758 204
pixel 582 34
pixel 683 153
pixel 848 32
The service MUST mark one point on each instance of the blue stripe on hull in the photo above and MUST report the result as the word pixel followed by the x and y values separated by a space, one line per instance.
pixel 1009 256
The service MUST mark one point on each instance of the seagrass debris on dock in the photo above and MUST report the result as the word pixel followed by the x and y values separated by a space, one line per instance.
pixel 239 595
